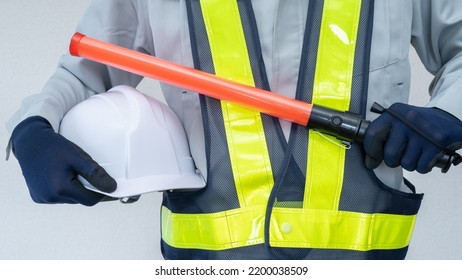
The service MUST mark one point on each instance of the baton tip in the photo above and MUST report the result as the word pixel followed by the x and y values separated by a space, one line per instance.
pixel 74 45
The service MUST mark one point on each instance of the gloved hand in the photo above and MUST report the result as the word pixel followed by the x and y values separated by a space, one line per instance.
pixel 50 164
pixel 410 136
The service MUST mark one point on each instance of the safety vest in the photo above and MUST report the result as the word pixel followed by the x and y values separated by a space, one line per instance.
pixel 267 198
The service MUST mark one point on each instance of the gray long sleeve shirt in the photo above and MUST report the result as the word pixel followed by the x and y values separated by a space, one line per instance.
pixel 160 27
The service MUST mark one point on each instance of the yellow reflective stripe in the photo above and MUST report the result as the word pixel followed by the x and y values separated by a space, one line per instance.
pixel 310 228
pixel 217 231
pixel 324 176
pixel 291 228
pixel 244 128
pixel 336 53
pixel 332 88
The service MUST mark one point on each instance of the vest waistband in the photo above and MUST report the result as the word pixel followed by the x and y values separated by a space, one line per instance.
pixel 290 228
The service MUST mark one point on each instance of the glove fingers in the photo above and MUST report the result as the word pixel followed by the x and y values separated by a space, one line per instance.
pixel 92 172
pixel 411 155
pixel 69 191
pixel 374 141
pixel 395 146
pixel 77 193
pixel 428 159
pixel 371 163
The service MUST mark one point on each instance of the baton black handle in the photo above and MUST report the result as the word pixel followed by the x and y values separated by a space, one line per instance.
pixel 351 127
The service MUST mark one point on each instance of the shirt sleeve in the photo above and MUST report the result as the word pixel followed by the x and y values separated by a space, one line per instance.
pixel 120 22
pixel 437 38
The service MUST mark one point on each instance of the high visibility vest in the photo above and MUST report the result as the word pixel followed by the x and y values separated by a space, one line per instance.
pixel 266 198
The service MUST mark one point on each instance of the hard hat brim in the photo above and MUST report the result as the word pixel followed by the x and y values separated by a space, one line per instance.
pixel 138 186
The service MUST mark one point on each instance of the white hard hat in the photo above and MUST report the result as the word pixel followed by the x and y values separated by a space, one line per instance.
pixel 137 139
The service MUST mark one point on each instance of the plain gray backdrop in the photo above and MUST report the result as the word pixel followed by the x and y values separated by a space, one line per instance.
pixel 33 35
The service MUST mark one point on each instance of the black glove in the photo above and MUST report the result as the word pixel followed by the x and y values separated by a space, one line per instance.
pixel 413 137
pixel 50 164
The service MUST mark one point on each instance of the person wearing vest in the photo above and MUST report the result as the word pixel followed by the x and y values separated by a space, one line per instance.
pixel 275 190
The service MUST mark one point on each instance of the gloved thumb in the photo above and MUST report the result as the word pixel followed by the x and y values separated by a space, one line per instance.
pixel 91 171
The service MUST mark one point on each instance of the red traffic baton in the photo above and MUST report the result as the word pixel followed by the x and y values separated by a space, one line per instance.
pixel 342 125
pixel 191 79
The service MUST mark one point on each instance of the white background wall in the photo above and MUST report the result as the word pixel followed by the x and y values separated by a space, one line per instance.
pixel 33 34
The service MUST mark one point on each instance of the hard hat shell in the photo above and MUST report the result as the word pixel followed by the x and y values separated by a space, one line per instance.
pixel 138 140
